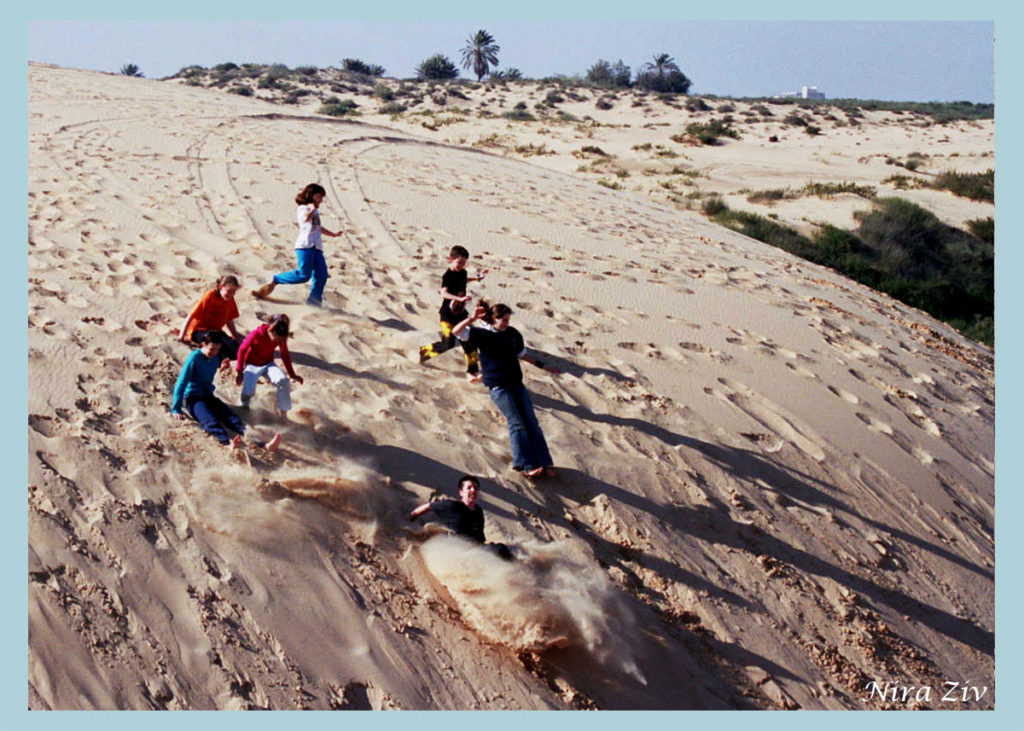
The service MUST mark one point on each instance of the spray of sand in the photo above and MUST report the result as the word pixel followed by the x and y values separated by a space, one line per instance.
pixel 551 596
pixel 232 500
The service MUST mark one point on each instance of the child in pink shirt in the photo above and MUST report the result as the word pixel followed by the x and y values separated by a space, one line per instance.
pixel 256 360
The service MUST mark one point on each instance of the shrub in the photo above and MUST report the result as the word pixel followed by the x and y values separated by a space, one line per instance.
pixel 606 75
pixel 812 130
pixel 709 132
pixel 795 119
pixel 437 67
pixel 824 190
pixel 130 69
pixel 225 67
pixel 673 81
pixel 976 186
pixel 714 207
pixel 770 196
pixel 553 98
pixel 344 108
pixel 696 104
pixel 984 229
pixel 306 70
pixel 355 66
pixel 519 114
pixel 604 103
pixel 383 92
pixel 240 90
pixel 392 108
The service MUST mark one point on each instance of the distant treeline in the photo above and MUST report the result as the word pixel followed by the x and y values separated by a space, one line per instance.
pixel 601 76
pixel 902 250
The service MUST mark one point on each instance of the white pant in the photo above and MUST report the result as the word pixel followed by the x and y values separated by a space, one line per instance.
pixel 278 377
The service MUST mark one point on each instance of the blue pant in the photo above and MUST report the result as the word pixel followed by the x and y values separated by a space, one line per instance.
pixel 213 415
pixel 529 449
pixel 312 265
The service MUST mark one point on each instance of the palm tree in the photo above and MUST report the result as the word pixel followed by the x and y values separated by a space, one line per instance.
pixel 130 69
pixel 480 53
pixel 663 63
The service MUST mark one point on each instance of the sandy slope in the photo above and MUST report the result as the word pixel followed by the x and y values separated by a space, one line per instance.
pixel 776 486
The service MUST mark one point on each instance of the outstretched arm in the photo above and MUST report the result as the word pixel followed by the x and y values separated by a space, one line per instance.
pixel 417 512
pixel 539 363
pixel 479 312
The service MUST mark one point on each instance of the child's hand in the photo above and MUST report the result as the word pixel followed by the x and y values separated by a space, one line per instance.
pixel 178 416
pixel 298 379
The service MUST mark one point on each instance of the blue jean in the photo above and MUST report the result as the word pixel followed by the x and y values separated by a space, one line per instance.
pixel 312 265
pixel 529 448
pixel 213 415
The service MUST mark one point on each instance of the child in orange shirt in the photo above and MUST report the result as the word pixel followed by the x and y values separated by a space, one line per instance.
pixel 215 310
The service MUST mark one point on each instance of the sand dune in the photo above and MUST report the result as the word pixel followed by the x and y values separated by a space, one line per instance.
pixel 781 481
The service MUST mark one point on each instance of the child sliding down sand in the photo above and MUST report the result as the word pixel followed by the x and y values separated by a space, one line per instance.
pixel 193 395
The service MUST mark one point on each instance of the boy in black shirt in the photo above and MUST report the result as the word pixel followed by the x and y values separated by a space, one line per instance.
pixel 463 516
pixel 453 310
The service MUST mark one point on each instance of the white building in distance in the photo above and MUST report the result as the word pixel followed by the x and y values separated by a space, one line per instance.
pixel 806 92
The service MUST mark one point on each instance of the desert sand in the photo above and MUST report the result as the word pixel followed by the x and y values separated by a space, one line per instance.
pixel 775 485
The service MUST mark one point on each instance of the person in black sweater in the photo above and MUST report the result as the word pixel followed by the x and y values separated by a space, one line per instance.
pixel 501 347
pixel 463 517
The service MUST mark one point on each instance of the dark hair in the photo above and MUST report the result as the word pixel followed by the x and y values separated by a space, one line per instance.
pixel 279 325
pixel 211 336
pixel 226 279
pixel 469 478
pixel 458 251
pixel 305 195
pixel 486 304
pixel 499 310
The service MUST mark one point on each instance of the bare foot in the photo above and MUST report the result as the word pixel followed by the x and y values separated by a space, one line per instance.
pixel 474 377
pixel 534 473
pixel 274 443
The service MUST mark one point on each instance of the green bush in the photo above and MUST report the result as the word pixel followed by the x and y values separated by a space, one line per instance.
pixel 344 108
pixel 901 249
pixel 976 186
pixel 984 229
pixel 519 114
pixel 714 207
pixel 392 108
pixel 437 67
pixel 355 66
pixel 709 132
pixel 240 90
pixel 306 70
pixel 553 98
pixel 609 76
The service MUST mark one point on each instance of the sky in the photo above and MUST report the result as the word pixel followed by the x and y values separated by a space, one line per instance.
pixel 886 60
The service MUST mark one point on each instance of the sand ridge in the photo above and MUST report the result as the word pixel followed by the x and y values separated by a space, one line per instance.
pixel 785 479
